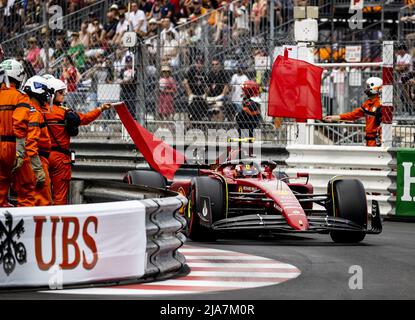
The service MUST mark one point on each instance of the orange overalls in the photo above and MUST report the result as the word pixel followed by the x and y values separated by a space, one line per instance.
pixel 43 196
pixel 372 110
pixel 15 112
pixel 60 169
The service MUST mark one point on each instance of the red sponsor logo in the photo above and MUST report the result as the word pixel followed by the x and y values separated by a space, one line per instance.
pixel 68 241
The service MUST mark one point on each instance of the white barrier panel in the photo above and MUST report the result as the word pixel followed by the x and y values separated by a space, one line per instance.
pixel 338 157
pixel 369 165
pixel 61 245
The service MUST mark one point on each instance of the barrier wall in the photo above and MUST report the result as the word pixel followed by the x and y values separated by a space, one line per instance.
pixel 370 165
pixel 93 242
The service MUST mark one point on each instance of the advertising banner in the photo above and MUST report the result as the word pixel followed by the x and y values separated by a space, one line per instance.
pixel 60 245
pixel 405 196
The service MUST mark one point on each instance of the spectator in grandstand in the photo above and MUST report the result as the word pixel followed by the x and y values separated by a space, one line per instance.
pixel 170 50
pixel 190 41
pixel 152 28
pixel 120 61
pixel 77 51
pixel 278 12
pixel 167 10
pixel 258 13
pixel 168 27
pixel 167 91
pixel 70 75
pixel 96 34
pixel 195 85
pixel 13 22
pixel 241 13
pixel 33 54
pixel 223 33
pixel 93 23
pixel 114 9
pixel 137 20
pixel 371 109
pixel 58 52
pixel 128 86
pixel 84 35
pixel 152 10
pixel 28 68
pixel 217 90
pixel 403 66
pixel 236 87
pixel 101 73
pixel 122 27
pixel 110 27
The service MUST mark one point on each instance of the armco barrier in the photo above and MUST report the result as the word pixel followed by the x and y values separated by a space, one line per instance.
pixel 163 221
pixel 111 159
pixel 121 233
pixel 370 165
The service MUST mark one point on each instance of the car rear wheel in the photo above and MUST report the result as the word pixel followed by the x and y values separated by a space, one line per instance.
pixel 146 178
pixel 207 205
pixel 350 203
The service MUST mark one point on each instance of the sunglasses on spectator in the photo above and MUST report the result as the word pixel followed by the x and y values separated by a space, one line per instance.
pixel 215 63
pixel 61 92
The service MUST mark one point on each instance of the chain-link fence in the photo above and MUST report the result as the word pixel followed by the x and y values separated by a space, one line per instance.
pixel 186 71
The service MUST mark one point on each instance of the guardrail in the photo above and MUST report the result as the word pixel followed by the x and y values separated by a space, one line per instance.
pixel 163 221
pixel 370 165
pixel 134 239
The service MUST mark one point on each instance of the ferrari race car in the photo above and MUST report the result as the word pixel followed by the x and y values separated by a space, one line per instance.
pixel 250 195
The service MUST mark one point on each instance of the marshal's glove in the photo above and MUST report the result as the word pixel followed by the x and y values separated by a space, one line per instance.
pixel 38 170
pixel 20 153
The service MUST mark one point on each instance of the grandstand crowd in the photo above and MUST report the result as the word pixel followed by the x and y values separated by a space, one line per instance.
pixel 174 39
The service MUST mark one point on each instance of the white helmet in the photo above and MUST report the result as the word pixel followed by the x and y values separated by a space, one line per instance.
pixel 56 85
pixel 48 76
pixel 14 70
pixel 373 86
pixel 37 87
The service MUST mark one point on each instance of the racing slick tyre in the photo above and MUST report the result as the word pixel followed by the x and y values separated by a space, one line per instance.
pixel 349 203
pixel 146 178
pixel 206 206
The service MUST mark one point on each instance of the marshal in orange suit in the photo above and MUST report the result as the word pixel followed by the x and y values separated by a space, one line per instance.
pixel 63 123
pixel 371 109
pixel 17 145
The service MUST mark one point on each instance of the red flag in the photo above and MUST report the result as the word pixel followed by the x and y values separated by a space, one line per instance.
pixel 295 89
pixel 161 157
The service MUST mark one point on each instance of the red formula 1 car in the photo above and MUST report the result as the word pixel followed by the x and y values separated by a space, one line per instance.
pixel 248 195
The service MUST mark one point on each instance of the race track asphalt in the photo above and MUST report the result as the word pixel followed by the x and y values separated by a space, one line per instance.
pixel 387 262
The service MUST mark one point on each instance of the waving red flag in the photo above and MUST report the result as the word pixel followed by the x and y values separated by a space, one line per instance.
pixel 161 157
pixel 295 89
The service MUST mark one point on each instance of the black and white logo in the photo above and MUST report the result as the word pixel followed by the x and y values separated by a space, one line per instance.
pixel 10 249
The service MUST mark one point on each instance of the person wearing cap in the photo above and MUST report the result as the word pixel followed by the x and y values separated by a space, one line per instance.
pixel 152 28
pixel 114 9
pixel 168 89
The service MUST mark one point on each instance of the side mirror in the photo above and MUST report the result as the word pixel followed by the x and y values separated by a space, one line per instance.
pixel 303 175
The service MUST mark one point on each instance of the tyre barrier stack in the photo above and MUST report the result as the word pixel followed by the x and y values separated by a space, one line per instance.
pixel 163 220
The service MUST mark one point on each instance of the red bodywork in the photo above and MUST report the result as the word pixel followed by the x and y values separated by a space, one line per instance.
pixel 278 196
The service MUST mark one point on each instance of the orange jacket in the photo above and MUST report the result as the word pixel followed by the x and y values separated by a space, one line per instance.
pixel 37 127
pixel 56 124
pixel 371 109
pixel 14 112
